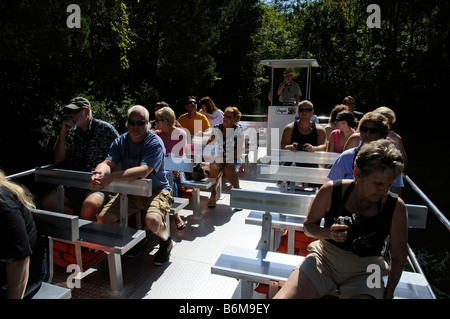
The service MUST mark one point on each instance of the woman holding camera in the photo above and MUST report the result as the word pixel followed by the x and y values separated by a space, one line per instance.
pixel 359 214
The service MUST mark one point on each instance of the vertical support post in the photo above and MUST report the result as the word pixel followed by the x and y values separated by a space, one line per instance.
pixel 246 289
pixel 266 231
pixel 196 204
pixel 79 255
pixel 50 260
pixel 60 199
pixel 115 273
pixel 291 240
pixel 124 210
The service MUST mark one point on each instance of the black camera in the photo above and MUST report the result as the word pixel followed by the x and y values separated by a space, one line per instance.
pixel 356 235
pixel 300 147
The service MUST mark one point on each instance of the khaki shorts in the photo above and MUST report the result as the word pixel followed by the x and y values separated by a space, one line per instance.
pixel 330 268
pixel 160 202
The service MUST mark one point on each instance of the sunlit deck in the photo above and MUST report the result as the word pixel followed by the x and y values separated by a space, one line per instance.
pixel 196 249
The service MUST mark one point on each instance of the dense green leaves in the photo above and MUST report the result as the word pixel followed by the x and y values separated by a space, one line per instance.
pixel 141 51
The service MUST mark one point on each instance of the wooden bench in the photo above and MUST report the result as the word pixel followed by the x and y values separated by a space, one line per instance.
pixel 186 165
pixel 62 177
pixel 140 187
pixel 278 156
pixel 256 133
pixel 113 240
pixel 251 266
pixel 263 265
pixel 49 291
pixel 271 202
pixel 289 175
pixel 417 218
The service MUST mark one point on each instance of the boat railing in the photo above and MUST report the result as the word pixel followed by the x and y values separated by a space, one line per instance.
pixel 428 202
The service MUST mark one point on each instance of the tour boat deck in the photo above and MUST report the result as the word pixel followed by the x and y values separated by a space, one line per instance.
pixel 188 273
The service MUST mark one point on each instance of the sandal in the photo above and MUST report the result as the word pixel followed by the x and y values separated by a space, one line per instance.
pixel 181 225
pixel 212 203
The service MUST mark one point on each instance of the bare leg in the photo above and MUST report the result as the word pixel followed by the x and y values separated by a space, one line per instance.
pixel 232 175
pixel 155 223
pixel 216 172
pixel 92 206
pixel 298 286
pixel 50 203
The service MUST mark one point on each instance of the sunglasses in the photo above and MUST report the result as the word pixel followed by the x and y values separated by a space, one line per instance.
pixel 365 129
pixel 305 110
pixel 191 102
pixel 138 123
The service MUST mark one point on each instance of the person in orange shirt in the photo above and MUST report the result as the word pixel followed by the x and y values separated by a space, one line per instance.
pixel 193 121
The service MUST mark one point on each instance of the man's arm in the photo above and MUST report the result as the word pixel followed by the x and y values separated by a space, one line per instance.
pixel 104 174
pixel 60 146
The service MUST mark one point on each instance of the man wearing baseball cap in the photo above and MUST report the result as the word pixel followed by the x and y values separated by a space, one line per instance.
pixel 289 91
pixel 82 144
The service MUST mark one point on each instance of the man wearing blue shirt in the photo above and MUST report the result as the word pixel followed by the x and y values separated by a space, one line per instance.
pixel 140 153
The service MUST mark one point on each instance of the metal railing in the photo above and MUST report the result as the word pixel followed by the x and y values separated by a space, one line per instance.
pixel 428 202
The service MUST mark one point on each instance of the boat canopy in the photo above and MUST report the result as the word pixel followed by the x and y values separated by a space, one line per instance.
pixel 291 63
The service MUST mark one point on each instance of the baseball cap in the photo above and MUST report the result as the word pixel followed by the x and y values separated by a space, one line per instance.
pixel 78 103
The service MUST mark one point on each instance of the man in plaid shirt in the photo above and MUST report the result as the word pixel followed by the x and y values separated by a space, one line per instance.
pixel 83 143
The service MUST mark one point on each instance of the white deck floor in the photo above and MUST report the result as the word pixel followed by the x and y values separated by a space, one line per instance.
pixel 188 274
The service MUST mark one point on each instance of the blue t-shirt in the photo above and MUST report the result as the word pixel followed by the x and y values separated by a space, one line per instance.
pixel 343 168
pixel 150 152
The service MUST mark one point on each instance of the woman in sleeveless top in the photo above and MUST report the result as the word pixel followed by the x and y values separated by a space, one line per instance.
pixel 359 214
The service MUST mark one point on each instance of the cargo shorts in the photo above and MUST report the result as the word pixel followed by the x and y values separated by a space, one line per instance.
pixel 160 202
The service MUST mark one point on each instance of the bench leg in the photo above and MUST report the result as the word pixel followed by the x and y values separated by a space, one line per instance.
pixel 79 255
pixel 123 210
pixel 115 273
pixel 60 199
pixel 246 289
pixel 266 231
pixel 275 242
pixel 50 260
pixel 291 240
pixel 196 204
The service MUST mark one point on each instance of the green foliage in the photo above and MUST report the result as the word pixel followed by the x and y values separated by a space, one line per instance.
pixel 125 36
pixel 138 52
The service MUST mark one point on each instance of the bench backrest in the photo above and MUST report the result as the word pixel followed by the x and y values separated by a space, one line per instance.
pixel 56 225
pixel 293 173
pixel 178 164
pixel 417 216
pixel 140 187
pixel 273 202
pixel 254 124
pixel 324 158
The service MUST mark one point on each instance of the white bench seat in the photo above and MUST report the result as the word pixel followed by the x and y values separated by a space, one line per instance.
pixel 49 291
pixel 113 240
pixel 272 268
pixel 255 266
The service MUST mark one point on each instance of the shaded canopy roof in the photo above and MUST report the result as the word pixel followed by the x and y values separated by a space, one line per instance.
pixel 290 63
